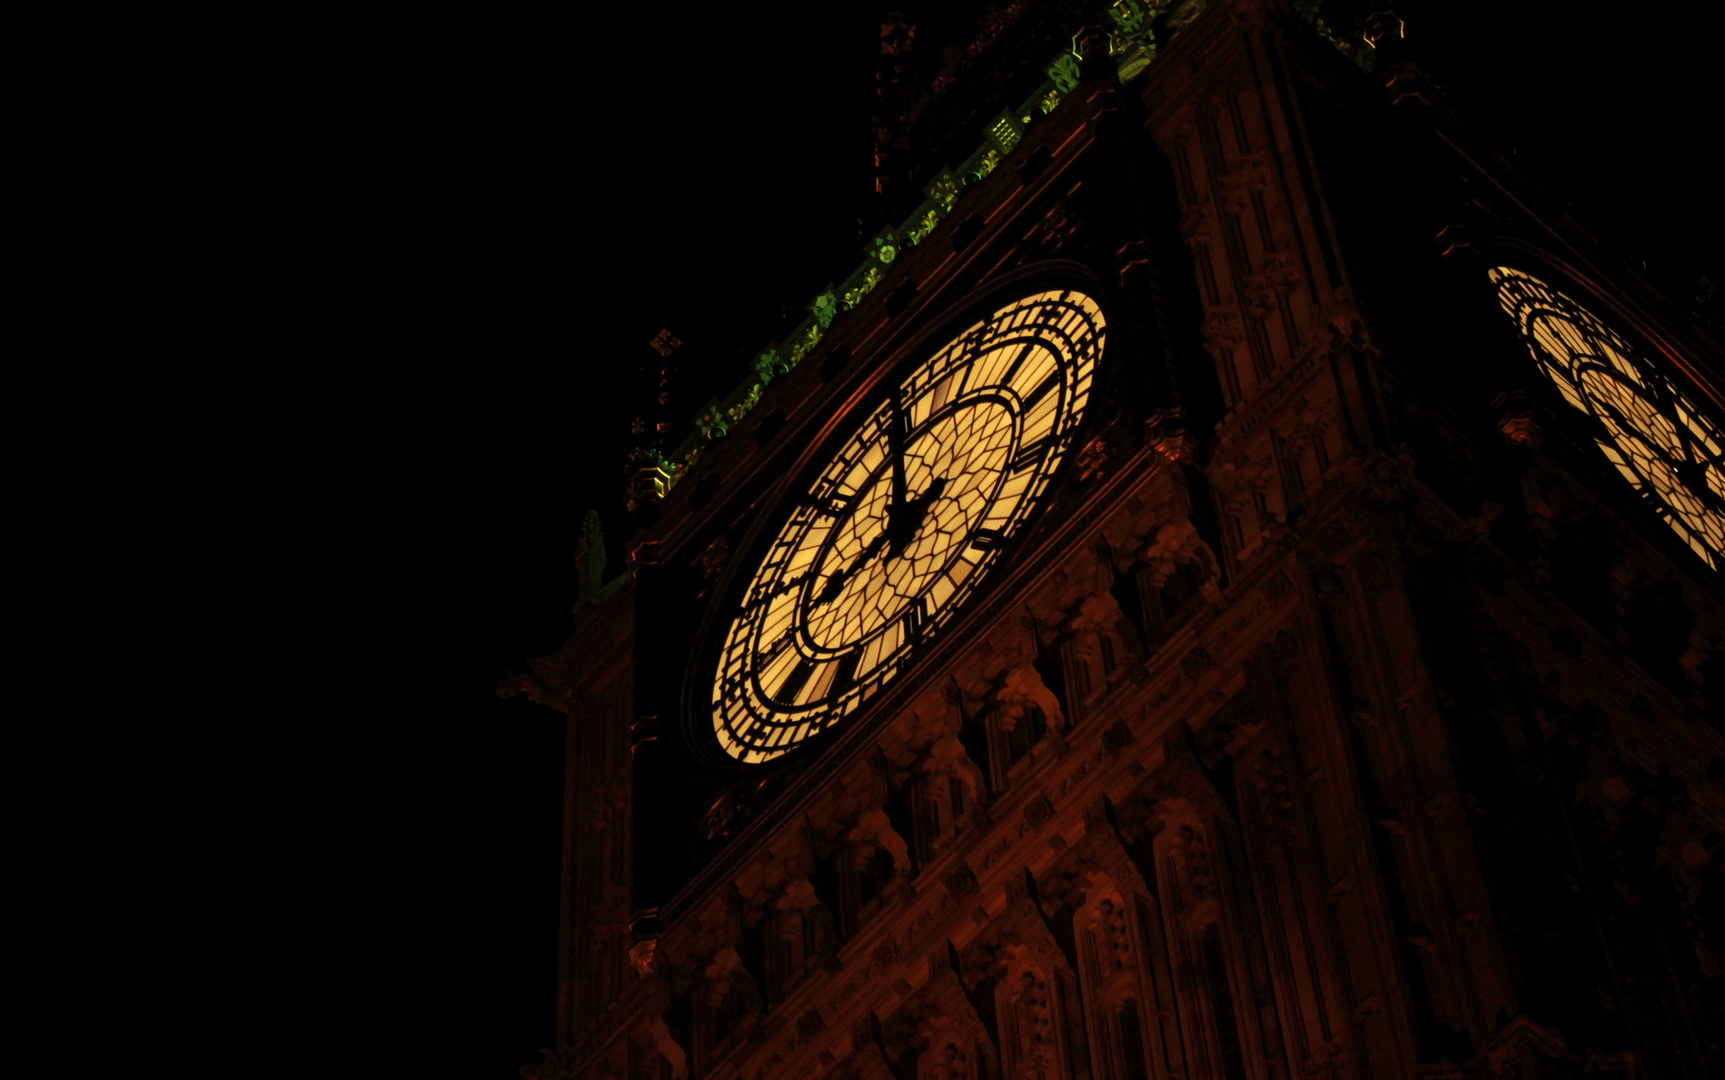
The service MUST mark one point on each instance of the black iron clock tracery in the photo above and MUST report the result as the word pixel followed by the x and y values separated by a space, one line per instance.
pixel 1648 429
pixel 903 522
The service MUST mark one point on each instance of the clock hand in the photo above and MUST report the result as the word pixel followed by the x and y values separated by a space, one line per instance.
pixel 776 591
pixel 1691 468
pixel 905 525
pixel 836 584
pixel 895 445
pixel 900 531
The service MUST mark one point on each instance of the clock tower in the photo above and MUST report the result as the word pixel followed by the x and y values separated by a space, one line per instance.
pixel 1227 588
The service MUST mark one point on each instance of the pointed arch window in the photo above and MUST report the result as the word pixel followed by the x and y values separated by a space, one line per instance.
pixel 1669 450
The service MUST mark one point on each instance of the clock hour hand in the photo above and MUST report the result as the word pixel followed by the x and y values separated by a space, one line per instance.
pixel 895 446
pixel 901 529
pixel 907 519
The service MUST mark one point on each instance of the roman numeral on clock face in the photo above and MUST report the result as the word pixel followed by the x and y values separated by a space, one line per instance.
pixel 984 539
pixel 799 675
pixel 1011 373
pixel 1030 454
pixel 1042 391
pixel 776 591
pixel 769 653
pixel 836 505
pixel 847 673
pixel 916 621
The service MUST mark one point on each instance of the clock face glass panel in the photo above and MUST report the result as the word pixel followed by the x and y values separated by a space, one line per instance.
pixel 1649 430
pixel 904 521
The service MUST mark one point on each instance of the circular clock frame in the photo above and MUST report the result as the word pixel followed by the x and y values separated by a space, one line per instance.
pixel 863 421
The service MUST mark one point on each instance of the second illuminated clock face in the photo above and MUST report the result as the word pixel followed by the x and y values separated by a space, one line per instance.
pixel 1669 450
pixel 903 523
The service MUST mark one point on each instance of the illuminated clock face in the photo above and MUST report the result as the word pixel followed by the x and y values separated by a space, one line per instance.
pixel 903 523
pixel 1648 429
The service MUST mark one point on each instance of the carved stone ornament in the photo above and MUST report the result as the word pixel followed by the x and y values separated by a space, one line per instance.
pixel 1099 613
pixel 1093 459
pixel 1223 334
pixel 1175 544
pixel 1198 223
pixel 719 973
pixel 1277 276
pixel 1247 178
pixel 947 757
pixel 873 830
pixel 1023 687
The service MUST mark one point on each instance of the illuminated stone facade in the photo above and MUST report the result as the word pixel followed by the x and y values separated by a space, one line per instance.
pixel 1344 715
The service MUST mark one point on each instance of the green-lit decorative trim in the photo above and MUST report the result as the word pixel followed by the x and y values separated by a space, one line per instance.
pixel 664 472
pixel 921 223
pixel 1131 40
pixel 1361 50
pixel 711 422
pixel 1063 73
pixel 980 164
pixel 824 307
pixel 860 284
pixel 768 365
pixel 803 342
pixel 741 407
pixel 1131 19
pixel 944 189
pixel 1131 44
pixel 884 247
pixel 1006 131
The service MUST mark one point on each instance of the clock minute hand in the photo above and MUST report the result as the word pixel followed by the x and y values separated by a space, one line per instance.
pixel 904 514
pixel 895 445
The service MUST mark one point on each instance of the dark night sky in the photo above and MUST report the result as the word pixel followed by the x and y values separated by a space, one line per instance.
pixel 331 336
